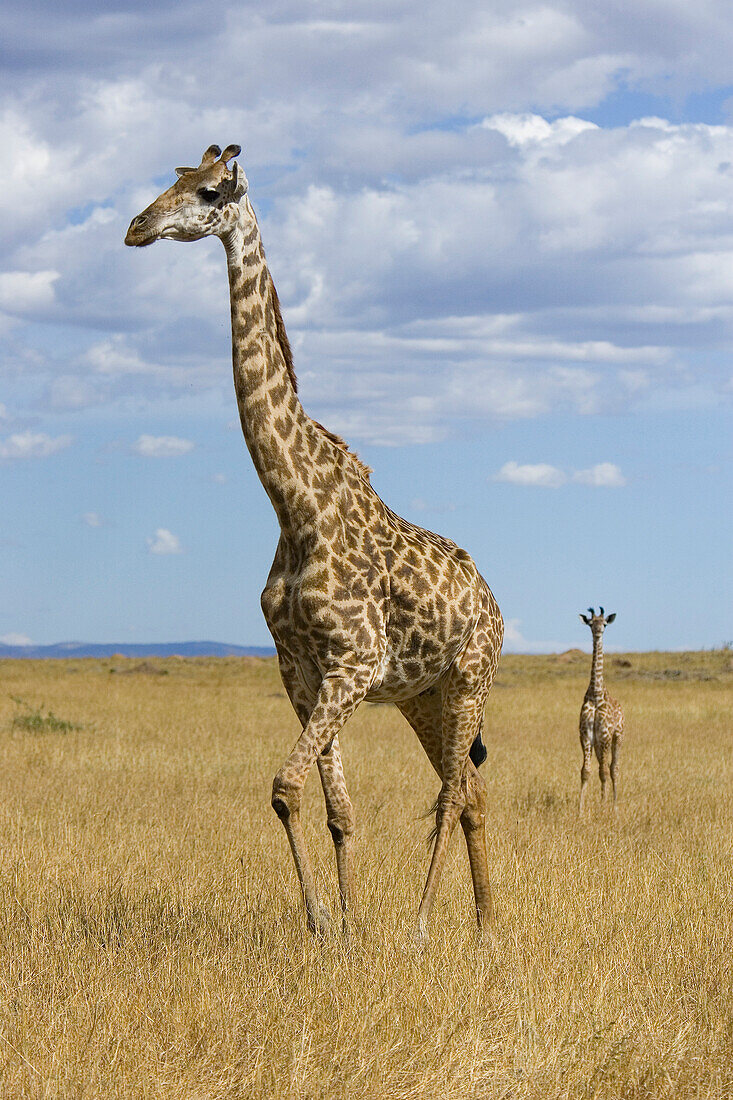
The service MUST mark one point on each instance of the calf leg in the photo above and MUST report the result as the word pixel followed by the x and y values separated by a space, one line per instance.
pixel 615 746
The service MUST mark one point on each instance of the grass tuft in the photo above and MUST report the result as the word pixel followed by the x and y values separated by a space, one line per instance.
pixel 40 720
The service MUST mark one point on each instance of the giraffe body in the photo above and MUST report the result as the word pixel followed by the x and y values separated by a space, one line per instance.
pixel 361 603
pixel 387 610
pixel 601 717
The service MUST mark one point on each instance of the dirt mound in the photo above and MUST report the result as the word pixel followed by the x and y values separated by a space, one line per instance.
pixel 572 655
pixel 145 667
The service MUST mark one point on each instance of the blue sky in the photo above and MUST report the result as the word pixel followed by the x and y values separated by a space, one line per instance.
pixel 502 237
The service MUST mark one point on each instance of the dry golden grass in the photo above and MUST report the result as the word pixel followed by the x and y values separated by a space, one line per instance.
pixel 152 943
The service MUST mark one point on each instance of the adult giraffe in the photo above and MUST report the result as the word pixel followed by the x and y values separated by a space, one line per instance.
pixel 361 604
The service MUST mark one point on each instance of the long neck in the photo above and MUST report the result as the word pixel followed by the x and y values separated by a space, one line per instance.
pixel 596 671
pixel 279 435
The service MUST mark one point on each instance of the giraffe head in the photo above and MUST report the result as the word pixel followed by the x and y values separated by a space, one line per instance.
pixel 597 621
pixel 199 204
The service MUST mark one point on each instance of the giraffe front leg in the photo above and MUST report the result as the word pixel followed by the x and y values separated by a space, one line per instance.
pixel 602 753
pixel 340 821
pixel 339 695
pixel 584 772
pixel 586 745
pixel 302 701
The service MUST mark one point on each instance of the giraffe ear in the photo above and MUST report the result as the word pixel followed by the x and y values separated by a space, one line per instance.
pixel 585 619
pixel 182 171
pixel 239 184
pixel 610 618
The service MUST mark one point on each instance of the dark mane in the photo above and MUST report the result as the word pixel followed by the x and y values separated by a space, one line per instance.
pixel 287 352
pixel 362 467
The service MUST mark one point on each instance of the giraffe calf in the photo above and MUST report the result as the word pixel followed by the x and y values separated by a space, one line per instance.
pixel 601 717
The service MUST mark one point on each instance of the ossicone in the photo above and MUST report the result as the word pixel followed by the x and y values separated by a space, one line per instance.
pixel 229 152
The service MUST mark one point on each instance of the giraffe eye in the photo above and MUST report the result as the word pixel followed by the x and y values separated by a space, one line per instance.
pixel 208 194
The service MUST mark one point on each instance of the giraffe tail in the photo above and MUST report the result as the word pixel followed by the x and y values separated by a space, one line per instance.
pixel 477 752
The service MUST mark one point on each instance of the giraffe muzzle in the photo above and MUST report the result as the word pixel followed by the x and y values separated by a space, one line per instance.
pixel 138 235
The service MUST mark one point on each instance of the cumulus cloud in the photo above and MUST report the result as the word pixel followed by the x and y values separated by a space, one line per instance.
pixel 162 446
pixel 604 475
pixel 27 292
pixel 540 474
pixel 164 542
pixel 560 267
pixel 32 445
pixel 92 519
pixel 523 264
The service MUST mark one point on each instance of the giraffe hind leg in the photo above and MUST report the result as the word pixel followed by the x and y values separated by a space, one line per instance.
pixel 424 715
pixel 615 746
pixel 461 719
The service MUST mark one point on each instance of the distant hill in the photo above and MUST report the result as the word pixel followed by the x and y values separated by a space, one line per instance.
pixel 143 649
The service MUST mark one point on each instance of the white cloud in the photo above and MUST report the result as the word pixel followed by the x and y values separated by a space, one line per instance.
pixel 162 446
pixel 528 128
pixel 32 445
pixel 92 519
pixel 164 542
pixel 27 291
pixel 540 475
pixel 15 639
pixel 604 475
pixel 601 245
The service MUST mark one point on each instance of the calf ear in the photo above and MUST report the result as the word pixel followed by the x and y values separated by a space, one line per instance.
pixel 610 618
pixel 585 619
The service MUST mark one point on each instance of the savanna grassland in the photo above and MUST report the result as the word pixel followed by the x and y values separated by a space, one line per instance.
pixel 152 943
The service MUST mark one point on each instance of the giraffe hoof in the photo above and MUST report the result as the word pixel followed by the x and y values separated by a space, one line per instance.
pixel 486 938
pixel 320 924
pixel 420 936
